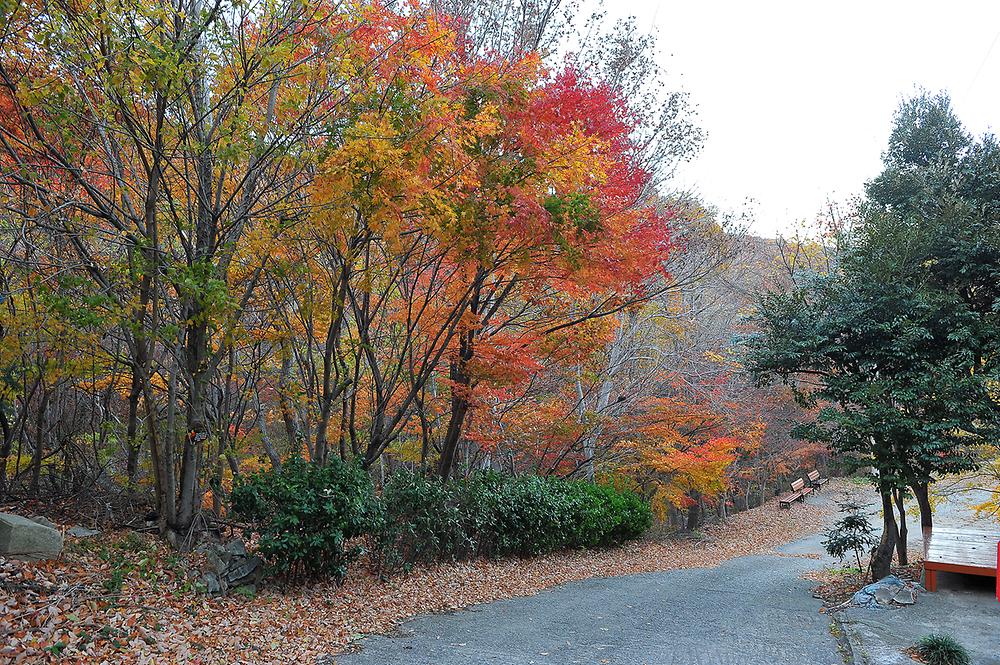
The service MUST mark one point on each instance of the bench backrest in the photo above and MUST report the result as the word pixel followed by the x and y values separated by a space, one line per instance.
pixel 813 475
pixel 798 485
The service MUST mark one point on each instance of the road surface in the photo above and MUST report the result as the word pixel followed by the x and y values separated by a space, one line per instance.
pixel 754 610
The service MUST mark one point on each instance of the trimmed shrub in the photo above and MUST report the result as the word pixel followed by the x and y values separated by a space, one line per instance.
pixel 942 650
pixel 305 514
pixel 424 520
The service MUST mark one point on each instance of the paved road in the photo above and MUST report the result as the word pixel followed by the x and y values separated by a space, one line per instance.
pixel 750 611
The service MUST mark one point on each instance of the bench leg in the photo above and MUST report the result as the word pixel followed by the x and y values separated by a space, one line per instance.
pixel 930 579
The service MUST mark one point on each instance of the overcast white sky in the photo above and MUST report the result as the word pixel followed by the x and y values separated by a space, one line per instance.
pixel 797 97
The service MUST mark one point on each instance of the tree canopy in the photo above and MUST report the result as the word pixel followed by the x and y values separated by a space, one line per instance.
pixel 897 344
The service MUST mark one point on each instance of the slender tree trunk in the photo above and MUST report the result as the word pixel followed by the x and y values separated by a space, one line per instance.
pixel 5 447
pixel 39 450
pixel 333 367
pixel 588 437
pixel 453 436
pixel 132 427
pixel 7 442
pixel 461 387
pixel 694 514
pixel 217 454
pixel 881 564
pixel 345 405
pixel 265 437
pixel 901 541
pixel 921 492
pixel 287 410
pixel 164 456
pixel 198 427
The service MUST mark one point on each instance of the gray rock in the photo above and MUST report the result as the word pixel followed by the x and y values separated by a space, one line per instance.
pixel 213 585
pixel 236 547
pixel 44 521
pixel 21 538
pixel 887 592
pixel 884 595
pixel 82 532
pixel 230 566
pixel 207 546
pixel 244 573
pixel 218 558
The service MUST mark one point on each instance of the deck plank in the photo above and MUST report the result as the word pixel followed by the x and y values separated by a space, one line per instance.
pixel 967 548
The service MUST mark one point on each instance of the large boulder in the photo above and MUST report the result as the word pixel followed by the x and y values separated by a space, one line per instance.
pixel 21 538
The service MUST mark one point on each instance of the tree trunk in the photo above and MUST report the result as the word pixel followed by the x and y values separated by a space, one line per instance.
pixel 694 517
pixel 333 368
pixel 881 564
pixel 198 427
pixel 461 385
pixel 5 447
pixel 921 492
pixel 449 447
pixel 901 541
pixel 39 450
pixel 132 426
pixel 163 456
pixel 265 437
pixel 287 411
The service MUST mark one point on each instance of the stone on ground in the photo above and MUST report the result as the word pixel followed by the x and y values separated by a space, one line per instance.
pixel 230 566
pixel 44 521
pixel 887 592
pixel 21 538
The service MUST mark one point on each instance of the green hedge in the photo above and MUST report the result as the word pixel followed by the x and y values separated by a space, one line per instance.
pixel 305 515
pixel 424 520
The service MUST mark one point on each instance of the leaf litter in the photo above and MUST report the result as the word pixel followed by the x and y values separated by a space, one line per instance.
pixel 126 598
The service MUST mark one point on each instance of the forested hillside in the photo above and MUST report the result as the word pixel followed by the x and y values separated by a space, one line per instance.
pixel 319 315
pixel 403 236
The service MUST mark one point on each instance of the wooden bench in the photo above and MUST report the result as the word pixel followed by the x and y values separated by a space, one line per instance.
pixel 799 493
pixel 815 481
pixel 951 550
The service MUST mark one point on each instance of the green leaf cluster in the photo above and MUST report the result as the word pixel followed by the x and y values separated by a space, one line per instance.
pixel 898 347
pixel 425 519
pixel 305 515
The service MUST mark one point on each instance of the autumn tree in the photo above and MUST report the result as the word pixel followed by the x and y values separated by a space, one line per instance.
pixel 373 231
pixel 153 159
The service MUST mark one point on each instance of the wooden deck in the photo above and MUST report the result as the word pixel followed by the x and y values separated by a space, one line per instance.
pixel 967 551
